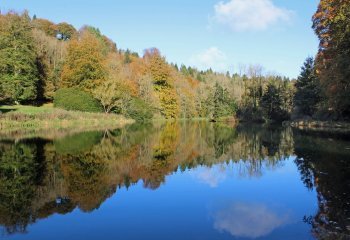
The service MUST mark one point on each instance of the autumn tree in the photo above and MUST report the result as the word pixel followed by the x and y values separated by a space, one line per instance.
pixel 163 82
pixel 50 54
pixel 84 65
pixel 48 27
pixel 331 23
pixel 112 94
pixel 18 63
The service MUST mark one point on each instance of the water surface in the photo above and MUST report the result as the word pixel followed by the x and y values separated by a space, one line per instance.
pixel 191 180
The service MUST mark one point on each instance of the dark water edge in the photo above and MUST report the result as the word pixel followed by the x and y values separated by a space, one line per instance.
pixel 188 180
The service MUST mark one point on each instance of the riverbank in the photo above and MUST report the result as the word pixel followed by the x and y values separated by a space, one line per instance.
pixel 326 126
pixel 18 119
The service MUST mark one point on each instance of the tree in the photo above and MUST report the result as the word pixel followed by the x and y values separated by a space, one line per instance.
pixel 163 82
pixel 18 63
pixel 50 53
pixel 307 96
pixel 84 64
pixel 223 105
pixel 65 31
pixel 331 23
pixel 271 103
pixel 46 26
pixel 111 93
pixel 127 58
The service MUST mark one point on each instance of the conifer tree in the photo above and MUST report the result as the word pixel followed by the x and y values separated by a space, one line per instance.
pixel 18 69
pixel 307 94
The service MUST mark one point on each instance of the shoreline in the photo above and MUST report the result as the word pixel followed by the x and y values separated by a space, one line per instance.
pixel 324 126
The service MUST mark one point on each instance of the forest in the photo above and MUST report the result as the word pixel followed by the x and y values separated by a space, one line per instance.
pixel 84 70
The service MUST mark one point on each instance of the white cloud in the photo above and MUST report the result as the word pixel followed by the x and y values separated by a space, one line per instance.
pixel 256 15
pixel 249 220
pixel 210 58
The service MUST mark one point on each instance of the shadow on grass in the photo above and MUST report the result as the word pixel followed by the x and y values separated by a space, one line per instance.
pixel 6 110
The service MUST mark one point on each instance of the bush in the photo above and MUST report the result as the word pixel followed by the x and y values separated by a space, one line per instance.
pixel 73 99
pixel 139 110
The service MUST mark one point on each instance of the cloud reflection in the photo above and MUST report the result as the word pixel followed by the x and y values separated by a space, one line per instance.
pixel 211 176
pixel 248 220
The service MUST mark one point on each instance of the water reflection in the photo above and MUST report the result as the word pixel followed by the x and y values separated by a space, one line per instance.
pixel 324 163
pixel 250 220
pixel 39 178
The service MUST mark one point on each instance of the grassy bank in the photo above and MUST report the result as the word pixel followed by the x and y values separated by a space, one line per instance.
pixel 35 119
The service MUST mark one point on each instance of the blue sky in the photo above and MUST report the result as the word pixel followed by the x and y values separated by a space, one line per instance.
pixel 208 33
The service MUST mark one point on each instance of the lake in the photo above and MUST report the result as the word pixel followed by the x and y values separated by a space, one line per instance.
pixel 186 180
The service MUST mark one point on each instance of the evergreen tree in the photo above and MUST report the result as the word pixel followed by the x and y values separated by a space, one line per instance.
pixel 127 58
pixel 307 94
pixel 223 105
pixel 271 103
pixel 18 69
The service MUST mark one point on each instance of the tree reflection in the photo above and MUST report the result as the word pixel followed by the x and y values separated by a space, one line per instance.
pixel 39 178
pixel 21 172
pixel 323 162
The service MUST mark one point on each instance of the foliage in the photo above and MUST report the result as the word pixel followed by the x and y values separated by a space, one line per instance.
pixel 88 60
pixel 18 69
pixel 50 56
pixel 83 66
pixel 76 100
pixel 163 83
pixel 331 23
pixel 139 110
pixel 111 94
pixel 271 103
pixel 308 92
pixel 223 104
pixel 65 31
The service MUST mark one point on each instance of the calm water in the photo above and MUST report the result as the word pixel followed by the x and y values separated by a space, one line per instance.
pixel 176 181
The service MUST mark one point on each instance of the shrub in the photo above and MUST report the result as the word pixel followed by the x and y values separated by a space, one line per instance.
pixel 73 99
pixel 139 110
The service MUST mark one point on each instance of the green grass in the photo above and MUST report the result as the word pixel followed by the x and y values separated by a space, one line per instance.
pixel 27 109
pixel 30 119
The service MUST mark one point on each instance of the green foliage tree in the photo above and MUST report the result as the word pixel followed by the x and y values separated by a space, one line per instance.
pixel 127 58
pixel 76 100
pixel 271 103
pixel 18 63
pixel 223 105
pixel 139 110
pixel 112 94
pixel 308 95
pixel 65 31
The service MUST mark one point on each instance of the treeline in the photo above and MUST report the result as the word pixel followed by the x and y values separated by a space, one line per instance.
pixel 323 89
pixel 41 61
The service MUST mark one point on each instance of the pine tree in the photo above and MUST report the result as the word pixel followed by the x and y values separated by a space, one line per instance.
pixel 271 103
pixel 18 69
pixel 308 93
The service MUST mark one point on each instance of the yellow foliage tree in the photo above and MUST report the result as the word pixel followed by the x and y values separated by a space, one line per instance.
pixel 84 66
